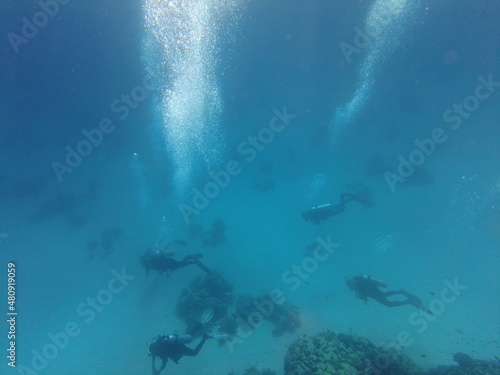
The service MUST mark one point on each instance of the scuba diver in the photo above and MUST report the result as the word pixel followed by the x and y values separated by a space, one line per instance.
pixel 161 260
pixel 367 287
pixel 173 346
pixel 318 214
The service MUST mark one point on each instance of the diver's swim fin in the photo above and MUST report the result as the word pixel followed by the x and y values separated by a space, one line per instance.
pixel 424 309
pixel 418 303
pixel 203 267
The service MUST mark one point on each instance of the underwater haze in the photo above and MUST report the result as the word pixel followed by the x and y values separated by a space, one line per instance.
pixel 279 178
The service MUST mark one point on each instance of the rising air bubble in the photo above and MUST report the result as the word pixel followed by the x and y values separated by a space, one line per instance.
pixel 182 48
pixel 386 25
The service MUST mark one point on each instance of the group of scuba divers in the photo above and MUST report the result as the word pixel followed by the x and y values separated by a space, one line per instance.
pixel 174 346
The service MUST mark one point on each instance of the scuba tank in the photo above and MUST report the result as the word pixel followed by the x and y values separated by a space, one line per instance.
pixel 375 281
pixel 157 341
pixel 181 339
pixel 321 206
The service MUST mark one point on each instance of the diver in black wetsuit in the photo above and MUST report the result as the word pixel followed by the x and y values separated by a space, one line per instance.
pixel 173 347
pixel 162 261
pixel 367 287
pixel 318 214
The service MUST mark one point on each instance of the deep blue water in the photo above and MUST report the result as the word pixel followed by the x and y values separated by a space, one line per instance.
pixel 178 93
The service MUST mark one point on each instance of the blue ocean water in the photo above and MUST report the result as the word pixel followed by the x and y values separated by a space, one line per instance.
pixel 127 125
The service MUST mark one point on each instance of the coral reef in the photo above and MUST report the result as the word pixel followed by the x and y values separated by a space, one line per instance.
pixel 212 290
pixel 329 353
pixel 285 317
pixel 254 371
pixel 468 366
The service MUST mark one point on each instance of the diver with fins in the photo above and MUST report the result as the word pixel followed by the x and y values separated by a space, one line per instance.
pixel 174 346
pixel 318 214
pixel 367 287
pixel 162 260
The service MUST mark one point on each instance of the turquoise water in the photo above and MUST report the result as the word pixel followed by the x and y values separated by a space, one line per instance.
pixel 125 125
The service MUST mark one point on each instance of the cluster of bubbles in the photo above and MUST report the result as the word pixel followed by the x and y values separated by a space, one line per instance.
pixel 466 203
pixel 317 183
pixel 164 233
pixel 384 244
pixel 181 49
